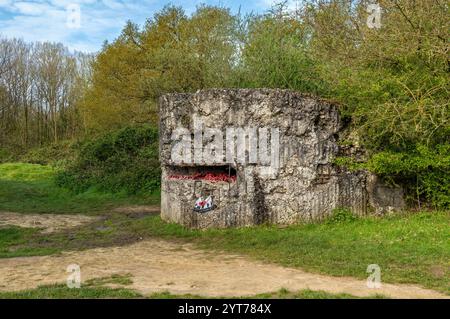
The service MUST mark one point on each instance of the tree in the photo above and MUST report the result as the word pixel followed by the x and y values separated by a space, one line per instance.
pixel 173 53
pixel 40 88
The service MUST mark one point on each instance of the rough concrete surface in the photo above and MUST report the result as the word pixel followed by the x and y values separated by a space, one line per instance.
pixel 304 186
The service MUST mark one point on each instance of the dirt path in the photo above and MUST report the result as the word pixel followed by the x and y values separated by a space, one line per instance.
pixel 181 269
pixel 49 223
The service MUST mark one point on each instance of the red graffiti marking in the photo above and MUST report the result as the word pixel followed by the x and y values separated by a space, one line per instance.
pixel 211 177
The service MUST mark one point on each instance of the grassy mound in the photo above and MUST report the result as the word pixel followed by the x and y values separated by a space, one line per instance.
pixel 123 161
pixel 30 188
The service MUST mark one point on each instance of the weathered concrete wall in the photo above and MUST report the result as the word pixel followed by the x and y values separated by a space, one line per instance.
pixel 306 186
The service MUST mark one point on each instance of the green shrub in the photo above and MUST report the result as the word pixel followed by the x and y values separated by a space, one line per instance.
pixel 56 154
pixel 423 171
pixel 5 156
pixel 341 215
pixel 125 160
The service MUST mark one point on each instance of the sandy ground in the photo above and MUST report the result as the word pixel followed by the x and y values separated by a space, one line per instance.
pixel 158 265
pixel 47 222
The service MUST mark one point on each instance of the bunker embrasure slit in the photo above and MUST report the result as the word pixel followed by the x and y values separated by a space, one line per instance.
pixel 222 173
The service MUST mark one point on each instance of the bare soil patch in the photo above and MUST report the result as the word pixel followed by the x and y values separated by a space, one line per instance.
pixel 138 209
pixel 49 223
pixel 157 265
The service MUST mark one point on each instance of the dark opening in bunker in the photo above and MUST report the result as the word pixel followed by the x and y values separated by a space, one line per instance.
pixel 222 173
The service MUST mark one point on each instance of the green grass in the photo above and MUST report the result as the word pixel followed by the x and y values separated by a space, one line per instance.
pixel 63 292
pixel 14 242
pixel 98 292
pixel 29 188
pixel 409 249
pixel 413 248
pixel 91 289
pixel 310 294
pixel 123 280
pixel 97 288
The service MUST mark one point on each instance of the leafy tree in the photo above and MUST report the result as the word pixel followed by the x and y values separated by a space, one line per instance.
pixel 276 54
pixel 173 53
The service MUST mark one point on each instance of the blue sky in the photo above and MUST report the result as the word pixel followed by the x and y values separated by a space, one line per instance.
pixel 50 20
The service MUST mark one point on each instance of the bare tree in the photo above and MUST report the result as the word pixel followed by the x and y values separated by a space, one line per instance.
pixel 40 86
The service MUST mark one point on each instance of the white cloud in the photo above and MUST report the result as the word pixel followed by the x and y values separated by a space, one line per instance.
pixel 116 5
pixel 5 3
pixel 47 20
pixel 31 8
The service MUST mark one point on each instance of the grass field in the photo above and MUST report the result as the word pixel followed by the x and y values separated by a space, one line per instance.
pixel 97 289
pixel 411 248
pixel 29 188
pixel 16 242
pixel 62 292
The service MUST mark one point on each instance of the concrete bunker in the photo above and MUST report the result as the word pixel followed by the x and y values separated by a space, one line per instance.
pixel 256 156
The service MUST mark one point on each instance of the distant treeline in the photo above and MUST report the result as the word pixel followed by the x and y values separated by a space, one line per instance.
pixel 392 81
pixel 41 85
